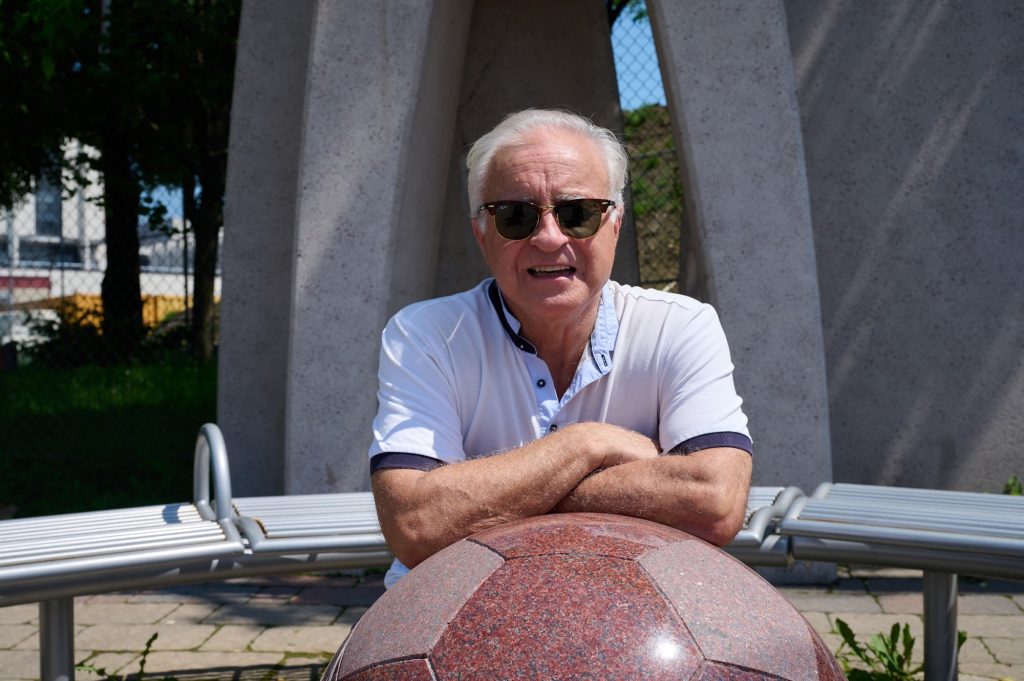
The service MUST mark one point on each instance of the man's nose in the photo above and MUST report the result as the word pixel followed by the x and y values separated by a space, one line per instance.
pixel 549 235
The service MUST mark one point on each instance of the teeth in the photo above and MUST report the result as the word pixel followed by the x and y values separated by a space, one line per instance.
pixel 551 268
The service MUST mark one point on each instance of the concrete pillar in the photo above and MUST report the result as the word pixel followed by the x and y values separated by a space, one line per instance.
pixel 358 109
pixel 259 234
pixel 912 115
pixel 542 70
pixel 380 111
pixel 728 76
pixel 349 132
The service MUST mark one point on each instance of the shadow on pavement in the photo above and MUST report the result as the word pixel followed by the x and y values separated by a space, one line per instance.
pixel 306 672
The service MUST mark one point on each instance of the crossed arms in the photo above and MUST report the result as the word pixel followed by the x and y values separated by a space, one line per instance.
pixel 594 467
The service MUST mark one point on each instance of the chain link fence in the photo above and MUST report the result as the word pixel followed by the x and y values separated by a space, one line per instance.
pixel 82 426
pixel 657 194
pixel 105 429
pixel 53 258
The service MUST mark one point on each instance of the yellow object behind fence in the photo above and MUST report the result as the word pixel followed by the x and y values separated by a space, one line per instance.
pixel 86 308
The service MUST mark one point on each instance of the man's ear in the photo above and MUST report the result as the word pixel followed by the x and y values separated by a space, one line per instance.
pixel 477 233
pixel 619 212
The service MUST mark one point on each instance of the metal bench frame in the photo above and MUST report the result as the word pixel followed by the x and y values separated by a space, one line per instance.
pixel 757 543
pixel 250 536
pixel 942 533
pixel 51 560
pixel 217 537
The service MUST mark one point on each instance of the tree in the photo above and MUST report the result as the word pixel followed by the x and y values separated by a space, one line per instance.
pixel 198 60
pixel 40 58
pixel 616 8
pixel 147 83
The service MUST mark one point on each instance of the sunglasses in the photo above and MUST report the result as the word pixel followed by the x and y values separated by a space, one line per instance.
pixel 577 218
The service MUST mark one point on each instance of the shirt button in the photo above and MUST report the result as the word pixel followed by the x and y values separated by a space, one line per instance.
pixel 553 427
pixel 541 383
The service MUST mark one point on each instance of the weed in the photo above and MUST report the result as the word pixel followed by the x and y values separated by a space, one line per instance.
pixel 1014 486
pixel 887 657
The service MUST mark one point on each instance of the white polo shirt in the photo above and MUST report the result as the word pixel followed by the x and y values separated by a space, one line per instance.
pixel 456 381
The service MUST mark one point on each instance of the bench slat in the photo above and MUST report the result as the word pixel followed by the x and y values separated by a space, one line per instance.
pixel 112 551
pixel 181 512
pixel 110 544
pixel 874 524
pixel 996 524
pixel 846 489
pixel 57 536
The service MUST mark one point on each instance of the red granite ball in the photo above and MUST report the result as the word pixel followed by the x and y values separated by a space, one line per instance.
pixel 583 596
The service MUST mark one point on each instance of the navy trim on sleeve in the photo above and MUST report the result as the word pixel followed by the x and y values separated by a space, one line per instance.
pixel 710 440
pixel 418 462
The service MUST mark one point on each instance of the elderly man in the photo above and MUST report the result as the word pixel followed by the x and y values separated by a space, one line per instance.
pixel 549 388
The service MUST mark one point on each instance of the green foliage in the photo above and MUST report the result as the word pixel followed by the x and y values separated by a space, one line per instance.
pixel 147 85
pixel 72 436
pixel 41 51
pixel 71 340
pixel 154 76
pixel 637 10
pixel 104 675
pixel 653 172
pixel 886 657
pixel 656 191
pixel 1014 486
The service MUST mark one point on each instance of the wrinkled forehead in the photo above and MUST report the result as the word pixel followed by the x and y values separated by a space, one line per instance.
pixel 558 161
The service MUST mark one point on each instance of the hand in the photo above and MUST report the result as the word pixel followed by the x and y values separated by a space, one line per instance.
pixel 613 445
pixel 703 493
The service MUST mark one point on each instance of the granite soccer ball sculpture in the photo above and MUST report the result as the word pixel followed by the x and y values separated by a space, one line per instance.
pixel 583 595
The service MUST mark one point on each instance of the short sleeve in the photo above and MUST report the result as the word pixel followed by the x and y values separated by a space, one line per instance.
pixel 697 394
pixel 417 407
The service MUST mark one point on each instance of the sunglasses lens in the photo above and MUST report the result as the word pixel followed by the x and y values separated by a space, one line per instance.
pixel 580 218
pixel 515 219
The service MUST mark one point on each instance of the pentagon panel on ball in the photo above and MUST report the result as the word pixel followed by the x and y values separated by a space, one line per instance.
pixel 583 596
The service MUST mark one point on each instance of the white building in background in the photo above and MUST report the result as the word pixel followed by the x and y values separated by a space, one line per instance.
pixel 53 246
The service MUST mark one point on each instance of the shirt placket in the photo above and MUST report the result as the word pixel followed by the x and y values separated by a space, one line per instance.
pixel 595 363
pixel 544 393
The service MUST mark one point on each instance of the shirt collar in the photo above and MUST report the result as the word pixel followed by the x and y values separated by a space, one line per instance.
pixel 602 338
pixel 507 319
pixel 606 330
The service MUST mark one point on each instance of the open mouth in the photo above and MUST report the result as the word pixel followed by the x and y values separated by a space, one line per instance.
pixel 551 270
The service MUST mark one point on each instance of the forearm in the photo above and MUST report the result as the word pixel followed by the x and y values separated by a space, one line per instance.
pixel 704 493
pixel 422 513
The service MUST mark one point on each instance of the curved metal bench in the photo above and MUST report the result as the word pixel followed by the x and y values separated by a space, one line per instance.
pixel 307 532
pixel 940 532
pixel 758 543
pixel 53 559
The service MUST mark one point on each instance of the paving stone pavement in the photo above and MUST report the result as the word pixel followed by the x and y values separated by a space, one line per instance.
pixel 287 628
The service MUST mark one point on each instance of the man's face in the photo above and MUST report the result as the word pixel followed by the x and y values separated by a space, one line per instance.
pixel 549 276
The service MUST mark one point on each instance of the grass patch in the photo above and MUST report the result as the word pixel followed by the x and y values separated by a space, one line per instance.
pixel 101 437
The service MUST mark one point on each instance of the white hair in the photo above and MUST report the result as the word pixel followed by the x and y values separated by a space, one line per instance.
pixel 515 127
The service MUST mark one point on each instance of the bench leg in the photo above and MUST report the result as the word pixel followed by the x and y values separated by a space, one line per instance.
pixel 940 632
pixel 57 639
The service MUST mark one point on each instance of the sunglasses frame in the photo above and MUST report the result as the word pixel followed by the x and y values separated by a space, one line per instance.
pixel 603 204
